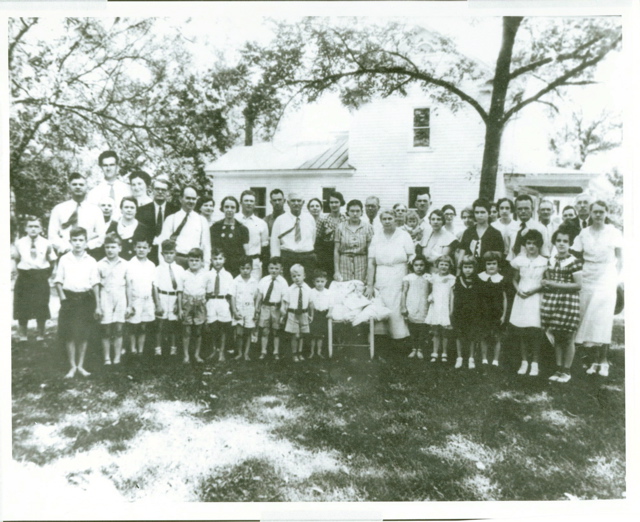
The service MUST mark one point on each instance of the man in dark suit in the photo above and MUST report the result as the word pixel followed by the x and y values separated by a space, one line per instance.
pixel 154 214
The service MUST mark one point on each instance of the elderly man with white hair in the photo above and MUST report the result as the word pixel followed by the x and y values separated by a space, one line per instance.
pixel 293 237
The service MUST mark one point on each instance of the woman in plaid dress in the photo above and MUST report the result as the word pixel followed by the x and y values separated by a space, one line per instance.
pixel 560 311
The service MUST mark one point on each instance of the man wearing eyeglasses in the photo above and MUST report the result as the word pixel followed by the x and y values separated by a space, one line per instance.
pixel 155 213
pixel 111 187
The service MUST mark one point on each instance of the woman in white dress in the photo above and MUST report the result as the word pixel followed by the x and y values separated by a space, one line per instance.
pixel 389 254
pixel 601 248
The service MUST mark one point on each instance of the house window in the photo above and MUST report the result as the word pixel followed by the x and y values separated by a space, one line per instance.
pixel 326 192
pixel 421 129
pixel 414 192
pixel 261 201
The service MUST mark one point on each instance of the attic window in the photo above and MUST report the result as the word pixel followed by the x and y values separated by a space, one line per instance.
pixel 421 129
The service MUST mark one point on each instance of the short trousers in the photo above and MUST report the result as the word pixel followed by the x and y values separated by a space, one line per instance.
pixel 218 310
pixel 113 305
pixel 297 323
pixel 169 305
pixel 76 316
pixel 194 311
pixel 248 313
pixel 270 317
pixel 144 311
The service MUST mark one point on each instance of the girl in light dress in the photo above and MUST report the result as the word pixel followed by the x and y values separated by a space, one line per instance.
pixel 440 306
pixel 529 269
pixel 415 287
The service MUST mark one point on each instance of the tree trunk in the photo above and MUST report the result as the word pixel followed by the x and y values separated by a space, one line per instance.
pixel 248 127
pixel 495 123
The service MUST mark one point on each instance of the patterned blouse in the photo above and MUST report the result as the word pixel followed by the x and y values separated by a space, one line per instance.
pixel 326 227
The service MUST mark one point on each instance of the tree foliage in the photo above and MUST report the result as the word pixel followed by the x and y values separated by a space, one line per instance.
pixel 362 60
pixel 81 85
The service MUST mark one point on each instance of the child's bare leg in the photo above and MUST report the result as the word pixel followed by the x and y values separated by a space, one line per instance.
pixel 319 347
pixel 523 349
pixel 312 348
pixel 276 343
pixel 294 348
pixel 484 349
pixel 445 343
pixel 117 342
pixel 142 337
pixel 264 341
pixel 239 342
pixel 186 337
pixel 161 332
pixel 247 344
pixel 133 328
pixel 558 347
pixel 436 345
pixel 535 345
pixel 569 351
pixel 197 341
pixel 106 343
pixel 223 341
pixel 459 347
pixel 71 354
pixel 300 346
pixel 472 349
pixel 81 354
pixel 41 324
pixel 496 352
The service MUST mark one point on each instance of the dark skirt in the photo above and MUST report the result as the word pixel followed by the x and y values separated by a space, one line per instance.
pixel 319 326
pixel 31 295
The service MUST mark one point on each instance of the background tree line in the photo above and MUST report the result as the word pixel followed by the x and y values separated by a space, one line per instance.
pixel 81 85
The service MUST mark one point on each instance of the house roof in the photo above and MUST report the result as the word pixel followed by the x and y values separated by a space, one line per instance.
pixel 269 157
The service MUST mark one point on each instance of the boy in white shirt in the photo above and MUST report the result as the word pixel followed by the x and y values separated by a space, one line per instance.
pixel 112 302
pixel 168 284
pixel 76 282
pixel 218 303
pixel 33 255
pixel 245 306
pixel 297 311
pixel 272 289
pixel 141 310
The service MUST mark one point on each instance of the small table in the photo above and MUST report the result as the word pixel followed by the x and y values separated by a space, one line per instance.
pixel 370 345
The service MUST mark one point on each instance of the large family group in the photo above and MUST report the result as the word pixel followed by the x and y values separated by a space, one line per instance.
pixel 118 256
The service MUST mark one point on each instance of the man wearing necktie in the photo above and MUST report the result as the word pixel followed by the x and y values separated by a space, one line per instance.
pixel 76 212
pixel 524 211
pixel 188 229
pixel 111 186
pixel 154 214
pixel 293 237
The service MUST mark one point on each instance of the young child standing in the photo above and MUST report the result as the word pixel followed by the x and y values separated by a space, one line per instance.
pixel 218 304
pixel 415 289
pixel 141 309
pixel 112 304
pixel 192 302
pixel 167 285
pixel 560 312
pixel 77 282
pixel 245 304
pixel 493 306
pixel 321 300
pixel 33 255
pixel 529 269
pixel 466 310
pixel 440 306
pixel 272 290
pixel 297 311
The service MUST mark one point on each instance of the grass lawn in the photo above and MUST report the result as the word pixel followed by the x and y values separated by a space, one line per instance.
pixel 340 430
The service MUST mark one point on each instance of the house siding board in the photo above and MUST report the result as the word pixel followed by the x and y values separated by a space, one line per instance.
pixel 383 160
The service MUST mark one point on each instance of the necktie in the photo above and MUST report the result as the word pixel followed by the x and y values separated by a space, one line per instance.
pixel 584 223
pixel 112 193
pixel 298 231
pixel 269 290
pixel 299 309
pixel 174 283
pixel 159 220
pixel 34 250
pixel 73 218
pixel 216 285
pixel 518 243
pixel 177 231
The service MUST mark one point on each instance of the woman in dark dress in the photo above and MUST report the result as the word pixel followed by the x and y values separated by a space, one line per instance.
pixel 230 236
pixel 129 229
pixel 481 237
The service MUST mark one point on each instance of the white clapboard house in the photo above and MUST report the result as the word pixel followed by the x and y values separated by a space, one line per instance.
pixel 395 148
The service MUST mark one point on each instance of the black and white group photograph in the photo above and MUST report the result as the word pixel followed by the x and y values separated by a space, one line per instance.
pixel 344 256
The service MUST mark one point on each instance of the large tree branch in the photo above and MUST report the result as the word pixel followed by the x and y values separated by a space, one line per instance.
pixel 18 37
pixel 333 79
pixel 559 82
